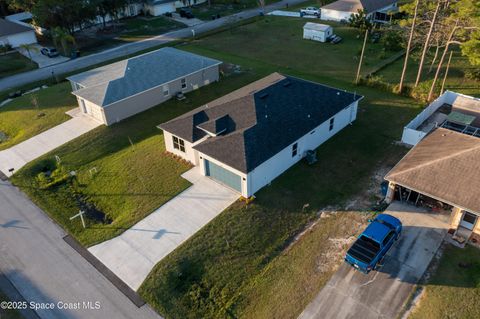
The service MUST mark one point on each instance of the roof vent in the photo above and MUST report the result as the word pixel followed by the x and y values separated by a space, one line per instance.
pixel 263 95
pixel 338 93
pixel 287 83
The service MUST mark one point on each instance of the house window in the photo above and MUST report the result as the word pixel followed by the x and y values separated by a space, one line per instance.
pixel 332 121
pixel 178 144
pixel 184 84
pixel 294 149
pixel 166 91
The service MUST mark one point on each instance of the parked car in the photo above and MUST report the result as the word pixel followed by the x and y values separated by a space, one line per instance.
pixel 313 11
pixel 368 251
pixel 186 13
pixel 50 52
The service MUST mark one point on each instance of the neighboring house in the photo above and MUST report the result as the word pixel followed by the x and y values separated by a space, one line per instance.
pixel 117 91
pixel 376 10
pixel 247 138
pixel 14 34
pixel 159 7
pixel 441 172
pixel 317 32
pixel 451 109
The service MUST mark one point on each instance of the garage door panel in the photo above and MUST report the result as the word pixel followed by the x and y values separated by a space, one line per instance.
pixel 223 175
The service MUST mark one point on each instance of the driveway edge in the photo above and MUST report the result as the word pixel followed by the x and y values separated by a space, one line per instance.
pixel 107 273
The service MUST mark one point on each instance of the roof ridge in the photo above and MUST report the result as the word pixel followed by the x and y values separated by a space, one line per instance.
pixel 431 162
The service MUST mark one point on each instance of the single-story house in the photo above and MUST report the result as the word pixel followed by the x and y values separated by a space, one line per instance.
pixel 159 7
pixel 342 9
pixel 317 31
pixel 441 172
pixel 247 138
pixel 15 34
pixel 119 90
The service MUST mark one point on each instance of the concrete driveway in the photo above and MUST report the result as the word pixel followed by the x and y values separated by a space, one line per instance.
pixel 133 254
pixel 382 294
pixel 19 155
pixel 40 59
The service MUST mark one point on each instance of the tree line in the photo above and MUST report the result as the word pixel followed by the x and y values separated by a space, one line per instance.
pixel 68 15
pixel 440 26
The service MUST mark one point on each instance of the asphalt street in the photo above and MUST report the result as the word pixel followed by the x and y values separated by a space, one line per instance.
pixel 48 273
pixel 131 48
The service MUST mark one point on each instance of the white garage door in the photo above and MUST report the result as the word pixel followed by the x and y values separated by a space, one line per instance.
pixel 92 110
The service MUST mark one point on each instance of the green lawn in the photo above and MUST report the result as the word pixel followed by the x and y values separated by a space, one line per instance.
pixel 13 63
pixel 21 119
pixel 130 182
pixel 279 42
pixel 456 80
pixel 225 270
pixel 145 27
pixel 453 291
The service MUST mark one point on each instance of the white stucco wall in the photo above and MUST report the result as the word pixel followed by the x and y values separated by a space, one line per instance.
pixel 273 167
pixel 93 110
pixel 190 154
pixel 16 40
pixel 334 15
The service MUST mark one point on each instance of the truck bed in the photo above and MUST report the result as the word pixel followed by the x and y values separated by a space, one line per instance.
pixel 364 250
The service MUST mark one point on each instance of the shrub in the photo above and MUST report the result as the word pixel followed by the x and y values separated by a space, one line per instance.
pixel 49 178
pixel 473 74
pixel 421 91
pixel 392 40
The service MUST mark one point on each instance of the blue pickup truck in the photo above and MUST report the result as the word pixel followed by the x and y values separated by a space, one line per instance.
pixel 368 250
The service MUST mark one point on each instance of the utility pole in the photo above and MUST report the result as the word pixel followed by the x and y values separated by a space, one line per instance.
pixel 361 57
pixel 80 214
pixel 446 72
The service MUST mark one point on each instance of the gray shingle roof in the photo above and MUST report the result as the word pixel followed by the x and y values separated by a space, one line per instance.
pixel 263 122
pixel 10 28
pixel 117 81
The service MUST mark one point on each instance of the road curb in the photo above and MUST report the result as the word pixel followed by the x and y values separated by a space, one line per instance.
pixel 107 273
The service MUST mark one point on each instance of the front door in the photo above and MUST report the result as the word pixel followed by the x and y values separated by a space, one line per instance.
pixel 468 220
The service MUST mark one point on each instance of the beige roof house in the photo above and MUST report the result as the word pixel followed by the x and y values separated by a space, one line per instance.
pixel 445 165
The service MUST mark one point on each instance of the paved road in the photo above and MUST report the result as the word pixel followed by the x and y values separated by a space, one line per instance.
pixel 382 294
pixel 45 269
pixel 133 254
pixel 130 48
pixel 18 155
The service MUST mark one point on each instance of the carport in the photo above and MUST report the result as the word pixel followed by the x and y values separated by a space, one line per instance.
pixel 442 174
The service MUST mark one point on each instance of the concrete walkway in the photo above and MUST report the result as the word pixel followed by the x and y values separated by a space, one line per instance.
pixel 133 254
pixel 19 155
pixel 383 293
pixel 131 48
